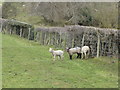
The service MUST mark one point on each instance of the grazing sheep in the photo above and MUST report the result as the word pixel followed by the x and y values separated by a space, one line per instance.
pixel 55 53
pixel 72 51
pixel 85 50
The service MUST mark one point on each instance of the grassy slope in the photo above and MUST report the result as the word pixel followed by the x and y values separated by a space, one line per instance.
pixel 27 64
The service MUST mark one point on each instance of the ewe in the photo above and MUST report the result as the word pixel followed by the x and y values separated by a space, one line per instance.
pixel 72 51
pixel 85 50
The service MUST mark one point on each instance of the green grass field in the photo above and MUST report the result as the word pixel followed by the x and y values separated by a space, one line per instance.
pixel 26 64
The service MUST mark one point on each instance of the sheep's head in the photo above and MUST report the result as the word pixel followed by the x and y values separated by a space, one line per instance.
pixel 67 49
pixel 50 49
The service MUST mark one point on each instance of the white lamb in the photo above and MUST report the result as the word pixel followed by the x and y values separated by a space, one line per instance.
pixel 85 50
pixel 55 53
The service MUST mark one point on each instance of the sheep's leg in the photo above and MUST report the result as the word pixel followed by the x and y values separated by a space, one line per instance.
pixel 78 55
pixel 88 53
pixel 85 54
pixel 82 55
pixel 70 57
pixel 54 57
pixel 62 57
pixel 58 57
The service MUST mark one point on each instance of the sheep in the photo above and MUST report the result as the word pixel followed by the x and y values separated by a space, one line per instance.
pixel 72 51
pixel 55 53
pixel 85 50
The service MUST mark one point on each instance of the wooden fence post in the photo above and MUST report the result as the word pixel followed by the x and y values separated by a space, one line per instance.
pixel 60 39
pixel 1 27
pixel 35 35
pixel 73 40
pixel 49 38
pixel 10 31
pixel 41 39
pixel 65 40
pixel 55 42
pixel 29 33
pixel 46 39
pixel 20 32
pixel 98 44
pixel 15 30
pixel 83 40
pixel 38 35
